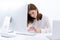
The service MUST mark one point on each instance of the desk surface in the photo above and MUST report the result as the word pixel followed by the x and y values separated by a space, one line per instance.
pixel 25 37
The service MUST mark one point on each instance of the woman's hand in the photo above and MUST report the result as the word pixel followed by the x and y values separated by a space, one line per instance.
pixel 34 28
pixel 30 28
pixel 37 30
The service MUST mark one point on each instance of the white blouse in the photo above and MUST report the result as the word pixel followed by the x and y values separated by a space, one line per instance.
pixel 42 24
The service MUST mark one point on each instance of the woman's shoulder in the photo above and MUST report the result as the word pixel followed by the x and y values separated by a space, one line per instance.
pixel 41 16
pixel 44 18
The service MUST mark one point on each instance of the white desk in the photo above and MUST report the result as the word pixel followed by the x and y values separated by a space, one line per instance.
pixel 25 37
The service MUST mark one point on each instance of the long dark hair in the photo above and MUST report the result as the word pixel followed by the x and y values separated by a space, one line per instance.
pixel 31 19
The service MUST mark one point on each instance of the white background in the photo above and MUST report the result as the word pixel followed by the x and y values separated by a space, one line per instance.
pixel 50 8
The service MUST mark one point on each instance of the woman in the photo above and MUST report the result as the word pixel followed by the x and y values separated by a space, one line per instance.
pixel 36 21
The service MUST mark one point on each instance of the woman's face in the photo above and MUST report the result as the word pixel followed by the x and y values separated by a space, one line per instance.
pixel 33 13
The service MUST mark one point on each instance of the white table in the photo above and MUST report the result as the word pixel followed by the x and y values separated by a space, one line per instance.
pixel 25 37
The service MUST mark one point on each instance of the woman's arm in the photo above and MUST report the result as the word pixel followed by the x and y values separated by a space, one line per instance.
pixel 34 28
pixel 47 25
pixel 37 30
